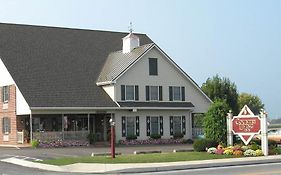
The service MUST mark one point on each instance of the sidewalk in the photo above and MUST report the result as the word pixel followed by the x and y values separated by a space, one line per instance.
pixel 145 167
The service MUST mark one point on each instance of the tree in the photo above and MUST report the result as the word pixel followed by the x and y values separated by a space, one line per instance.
pixel 222 89
pixel 215 121
pixel 252 101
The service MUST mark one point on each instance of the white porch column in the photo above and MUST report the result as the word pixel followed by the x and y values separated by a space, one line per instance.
pixel 88 123
pixel 30 125
pixel 63 124
pixel 264 139
pixel 229 128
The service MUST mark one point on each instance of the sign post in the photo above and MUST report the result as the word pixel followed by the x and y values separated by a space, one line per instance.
pixel 229 128
pixel 246 125
pixel 264 138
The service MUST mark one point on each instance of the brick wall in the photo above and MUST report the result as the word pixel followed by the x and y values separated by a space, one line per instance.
pixel 9 110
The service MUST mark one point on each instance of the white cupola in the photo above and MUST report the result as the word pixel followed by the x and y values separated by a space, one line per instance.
pixel 130 42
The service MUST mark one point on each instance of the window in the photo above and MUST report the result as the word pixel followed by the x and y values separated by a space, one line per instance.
pixel 177 124
pixel 6 125
pixel 129 92
pixel 177 93
pixel 5 94
pixel 130 126
pixel 153 67
pixel 154 125
pixel 154 93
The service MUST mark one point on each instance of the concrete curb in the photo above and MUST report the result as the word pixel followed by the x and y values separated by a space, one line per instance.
pixel 145 167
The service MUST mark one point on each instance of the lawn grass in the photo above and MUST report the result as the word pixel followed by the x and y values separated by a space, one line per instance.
pixel 141 158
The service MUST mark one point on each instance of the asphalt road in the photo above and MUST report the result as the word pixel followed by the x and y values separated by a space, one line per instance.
pixel 260 169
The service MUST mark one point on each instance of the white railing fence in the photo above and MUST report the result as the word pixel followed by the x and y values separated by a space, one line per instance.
pixel 197 131
pixel 59 135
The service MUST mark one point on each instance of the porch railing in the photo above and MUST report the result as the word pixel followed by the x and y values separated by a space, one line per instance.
pixel 59 135
pixel 20 137
pixel 197 131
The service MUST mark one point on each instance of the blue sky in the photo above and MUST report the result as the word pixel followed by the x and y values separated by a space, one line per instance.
pixel 237 39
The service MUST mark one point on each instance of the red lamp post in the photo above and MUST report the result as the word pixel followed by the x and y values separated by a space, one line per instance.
pixel 112 139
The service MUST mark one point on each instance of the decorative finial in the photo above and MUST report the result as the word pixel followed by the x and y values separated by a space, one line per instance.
pixel 131 27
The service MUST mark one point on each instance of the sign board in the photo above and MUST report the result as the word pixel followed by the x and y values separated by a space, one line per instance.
pixel 246 125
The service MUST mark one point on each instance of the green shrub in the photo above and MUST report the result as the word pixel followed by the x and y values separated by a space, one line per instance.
pixel 35 143
pixel 187 141
pixel 155 136
pixel 203 144
pixel 131 137
pixel 254 147
pixel 275 151
pixel 178 135
pixel 91 138
pixel 272 144
pixel 215 121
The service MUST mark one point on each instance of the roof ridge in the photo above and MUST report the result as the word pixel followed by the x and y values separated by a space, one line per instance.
pixel 66 28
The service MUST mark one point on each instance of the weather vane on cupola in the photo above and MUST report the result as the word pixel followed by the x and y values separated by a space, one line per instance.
pixel 131 27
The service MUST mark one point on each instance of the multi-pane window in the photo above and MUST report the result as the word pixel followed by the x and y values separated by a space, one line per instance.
pixel 177 124
pixel 154 125
pixel 6 125
pixel 5 94
pixel 154 93
pixel 130 126
pixel 153 66
pixel 176 93
pixel 129 92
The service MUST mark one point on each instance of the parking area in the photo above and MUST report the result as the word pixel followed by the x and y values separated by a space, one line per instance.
pixel 50 153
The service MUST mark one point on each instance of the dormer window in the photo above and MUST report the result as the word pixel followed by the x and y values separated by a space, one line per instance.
pixel 129 92
pixel 5 94
pixel 153 66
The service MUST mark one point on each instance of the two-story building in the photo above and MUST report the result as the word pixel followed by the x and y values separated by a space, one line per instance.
pixel 60 83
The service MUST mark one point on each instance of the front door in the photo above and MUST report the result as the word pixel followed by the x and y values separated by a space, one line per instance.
pixel 102 127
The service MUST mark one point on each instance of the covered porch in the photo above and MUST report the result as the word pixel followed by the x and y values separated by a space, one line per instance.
pixel 64 127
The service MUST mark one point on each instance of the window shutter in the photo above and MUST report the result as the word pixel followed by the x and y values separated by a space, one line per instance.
pixel 183 93
pixel 160 93
pixel 147 93
pixel 123 92
pixel 161 125
pixel 136 92
pixel 9 125
pixel 147 125
pixel 137 126
pixel 170 93
pixel 123 126
pixel 8 93
pixel 3 127
pixel 171 126
pixel 183 124
pixel 2 93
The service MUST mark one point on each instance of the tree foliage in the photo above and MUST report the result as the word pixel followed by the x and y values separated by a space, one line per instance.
pixel 222 89
pixel 215 121
pixel 252 101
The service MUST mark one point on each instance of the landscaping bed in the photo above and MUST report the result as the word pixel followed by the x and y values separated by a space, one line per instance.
pixel 140 158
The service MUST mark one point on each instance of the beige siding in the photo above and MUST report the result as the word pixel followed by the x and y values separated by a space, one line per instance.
pixel 142 116
pixel 168 75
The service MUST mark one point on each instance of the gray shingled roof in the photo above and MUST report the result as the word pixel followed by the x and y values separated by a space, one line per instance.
pixel 157 104
pixel 59 67
pixel 117 63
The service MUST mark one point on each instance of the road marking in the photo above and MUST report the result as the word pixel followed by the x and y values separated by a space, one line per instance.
pixel 262 173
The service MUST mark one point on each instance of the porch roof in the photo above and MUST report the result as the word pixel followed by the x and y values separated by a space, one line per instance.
pixel 157 104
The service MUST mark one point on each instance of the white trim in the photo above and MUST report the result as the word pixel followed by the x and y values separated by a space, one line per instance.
pixel 171 61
